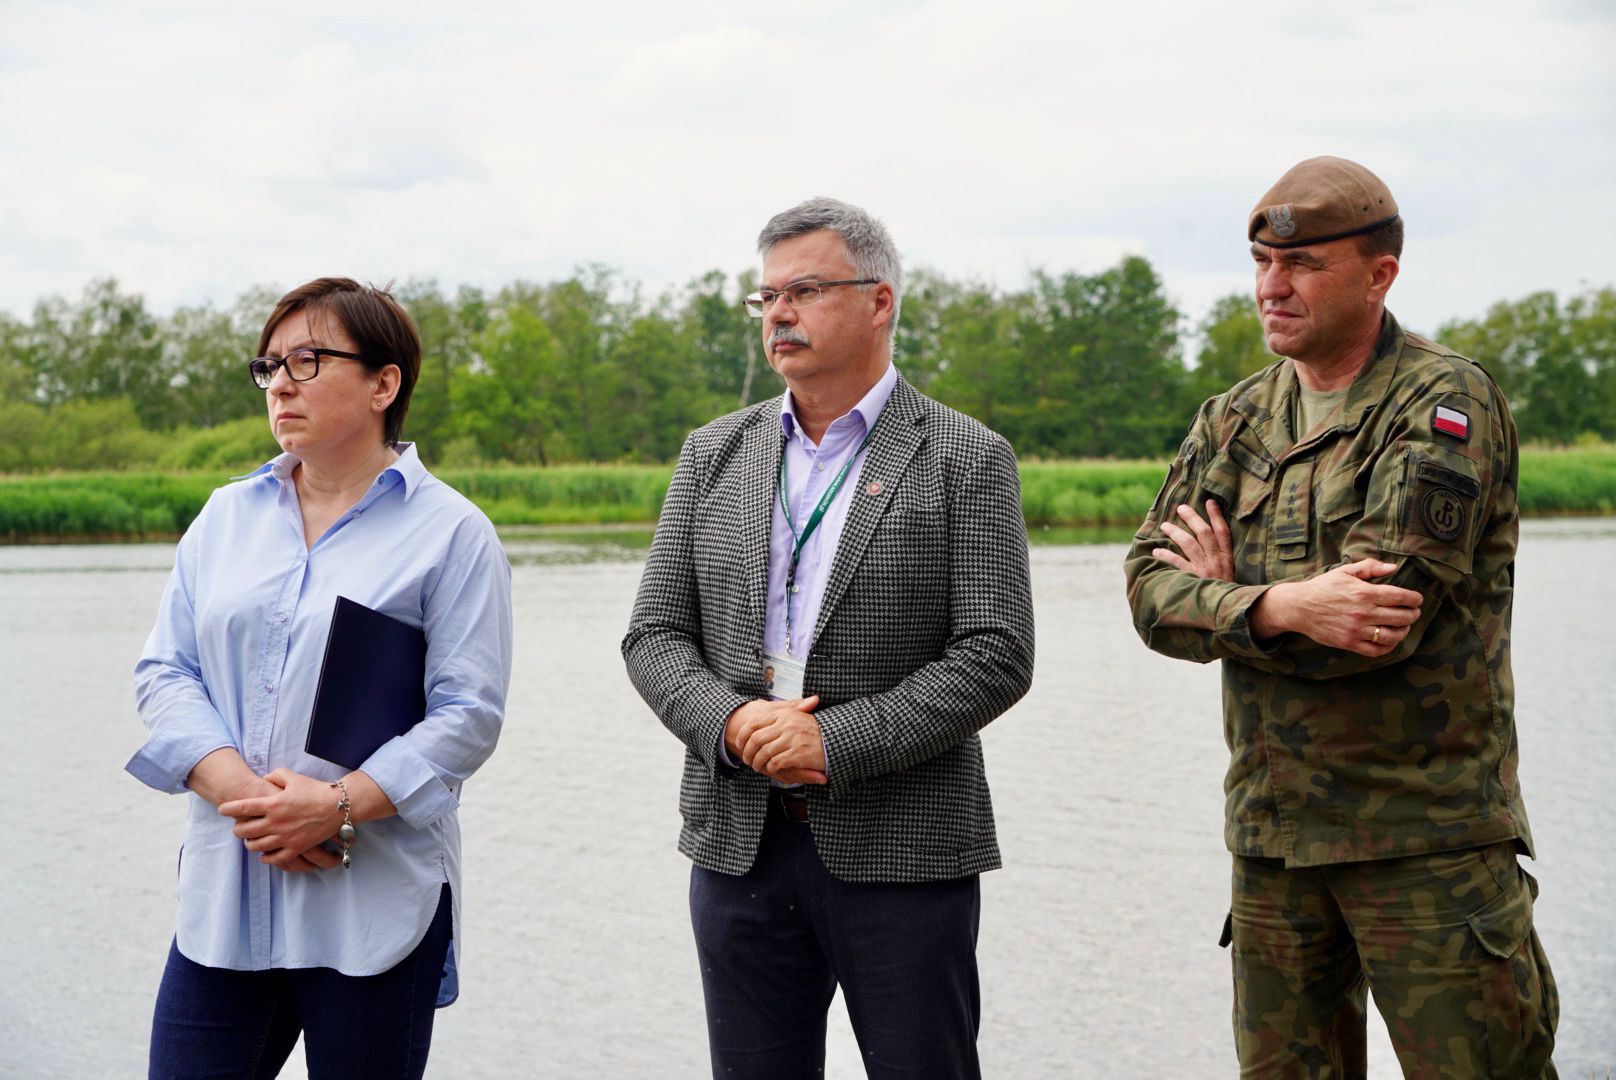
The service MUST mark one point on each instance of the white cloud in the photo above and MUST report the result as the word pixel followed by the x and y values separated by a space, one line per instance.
pixel 695 71
pixel 193 150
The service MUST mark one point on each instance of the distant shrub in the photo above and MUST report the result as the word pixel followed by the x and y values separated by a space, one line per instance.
pixel 236 446
pixel 103 433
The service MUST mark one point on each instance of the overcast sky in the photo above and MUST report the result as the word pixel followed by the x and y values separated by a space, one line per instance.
pixel 192 150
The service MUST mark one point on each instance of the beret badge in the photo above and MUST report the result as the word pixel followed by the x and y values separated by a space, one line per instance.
pixel 1281 221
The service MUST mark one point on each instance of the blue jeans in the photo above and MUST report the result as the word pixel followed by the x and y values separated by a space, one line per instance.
pixel 776 942
pixel 212 1022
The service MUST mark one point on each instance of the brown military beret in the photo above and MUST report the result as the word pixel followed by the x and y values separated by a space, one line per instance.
pixel 1322 199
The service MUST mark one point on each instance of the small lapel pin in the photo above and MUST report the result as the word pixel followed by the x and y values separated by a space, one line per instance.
pixel 874 488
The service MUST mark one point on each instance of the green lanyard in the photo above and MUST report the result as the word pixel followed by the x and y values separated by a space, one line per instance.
pixel 814 518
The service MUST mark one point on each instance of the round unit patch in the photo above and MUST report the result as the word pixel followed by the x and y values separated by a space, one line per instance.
pixel 1443 513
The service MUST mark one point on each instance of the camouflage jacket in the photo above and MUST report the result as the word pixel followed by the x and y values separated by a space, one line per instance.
pixel 1337 757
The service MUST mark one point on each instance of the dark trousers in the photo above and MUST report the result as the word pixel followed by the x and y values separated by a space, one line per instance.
pixel 211 1022
pixel 776 942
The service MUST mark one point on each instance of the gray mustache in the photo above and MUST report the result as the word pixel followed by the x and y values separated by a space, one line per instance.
pixel 787 334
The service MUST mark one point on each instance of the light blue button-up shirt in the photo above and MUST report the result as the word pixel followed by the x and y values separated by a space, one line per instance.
pixel 809 470
pixel 234 660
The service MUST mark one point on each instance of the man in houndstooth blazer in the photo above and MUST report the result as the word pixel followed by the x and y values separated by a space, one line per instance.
pixel 865 875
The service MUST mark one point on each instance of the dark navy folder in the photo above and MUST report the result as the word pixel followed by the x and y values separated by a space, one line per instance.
pixel 372 684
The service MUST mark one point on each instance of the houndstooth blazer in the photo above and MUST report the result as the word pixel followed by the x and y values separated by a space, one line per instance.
pixel 925 635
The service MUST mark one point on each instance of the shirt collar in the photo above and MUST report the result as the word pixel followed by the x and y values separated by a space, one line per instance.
pixel 407 469
pixel 868 408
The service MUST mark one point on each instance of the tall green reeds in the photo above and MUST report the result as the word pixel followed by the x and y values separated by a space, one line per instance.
pixel 1089 492
pixel 115 506
pixel 101 506
pixel 1574 480
pixel 564 494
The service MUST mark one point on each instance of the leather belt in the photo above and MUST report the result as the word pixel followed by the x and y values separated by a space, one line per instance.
pixel 793 803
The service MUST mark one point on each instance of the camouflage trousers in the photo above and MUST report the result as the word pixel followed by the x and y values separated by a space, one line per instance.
pixel 1443 942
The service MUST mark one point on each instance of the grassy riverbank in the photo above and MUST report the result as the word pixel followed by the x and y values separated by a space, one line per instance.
pixel 139 505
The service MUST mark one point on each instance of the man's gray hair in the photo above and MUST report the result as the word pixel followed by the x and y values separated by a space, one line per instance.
pixel 869 246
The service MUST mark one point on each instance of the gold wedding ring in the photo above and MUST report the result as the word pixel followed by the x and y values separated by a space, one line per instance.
pixel 1376 638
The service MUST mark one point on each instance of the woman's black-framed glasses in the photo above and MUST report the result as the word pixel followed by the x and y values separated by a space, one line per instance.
pixel 301 365
pixel 797 294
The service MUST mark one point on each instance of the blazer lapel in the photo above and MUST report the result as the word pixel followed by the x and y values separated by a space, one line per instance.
pixel 897 438
pixel 759 457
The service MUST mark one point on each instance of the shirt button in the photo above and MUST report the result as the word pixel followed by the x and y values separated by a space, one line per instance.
pixel 819 467
pixel 269 688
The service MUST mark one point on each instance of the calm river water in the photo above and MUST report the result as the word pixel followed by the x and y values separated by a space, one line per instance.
pixel 1098 944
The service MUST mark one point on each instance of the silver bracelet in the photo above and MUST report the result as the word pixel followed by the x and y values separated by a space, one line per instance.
pixel 346 834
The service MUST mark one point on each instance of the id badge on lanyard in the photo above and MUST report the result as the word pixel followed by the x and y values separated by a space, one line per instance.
pixel 800 538
pixel 782 676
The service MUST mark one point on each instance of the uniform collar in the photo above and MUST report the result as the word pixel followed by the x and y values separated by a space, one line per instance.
pixel 1266 404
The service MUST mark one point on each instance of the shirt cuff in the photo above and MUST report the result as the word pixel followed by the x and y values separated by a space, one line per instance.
pixel 1234 622
pixel 166 763
pixel 410 782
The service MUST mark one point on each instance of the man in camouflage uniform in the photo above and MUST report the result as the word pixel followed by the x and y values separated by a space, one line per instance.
pixel 1340 530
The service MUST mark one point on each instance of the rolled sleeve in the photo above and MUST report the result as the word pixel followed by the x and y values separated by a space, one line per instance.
pixel 165 761
pixel 468 669
pixel 416 790
pixel 1234 624
pixel 1188 617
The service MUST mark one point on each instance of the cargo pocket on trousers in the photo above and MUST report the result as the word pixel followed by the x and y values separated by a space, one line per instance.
pixel 1509 977
pixel 1501 925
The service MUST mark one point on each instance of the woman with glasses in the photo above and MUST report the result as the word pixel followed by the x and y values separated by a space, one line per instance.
pixel 316 898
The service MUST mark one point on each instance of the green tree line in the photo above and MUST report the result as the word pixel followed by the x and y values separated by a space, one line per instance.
pixel 590 369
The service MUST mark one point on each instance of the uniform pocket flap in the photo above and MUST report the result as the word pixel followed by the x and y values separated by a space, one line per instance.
pixel 1502 924
pixel 1339 496
pixel 1252 495
pixel 1255 464
pixel 1441 510
pixel 1437 474
pixel 1220 479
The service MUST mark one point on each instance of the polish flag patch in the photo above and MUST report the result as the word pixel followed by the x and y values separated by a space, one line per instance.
pixel 1451 422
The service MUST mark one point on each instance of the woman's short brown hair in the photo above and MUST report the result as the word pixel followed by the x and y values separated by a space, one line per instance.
pixel 378 325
